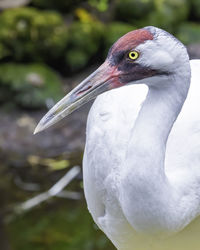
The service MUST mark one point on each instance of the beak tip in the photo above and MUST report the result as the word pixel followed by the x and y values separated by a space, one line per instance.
pixel 44 123
pixel 39 128
pixel 88 89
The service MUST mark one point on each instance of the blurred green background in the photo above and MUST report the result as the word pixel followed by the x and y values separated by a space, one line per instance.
pixel 46 48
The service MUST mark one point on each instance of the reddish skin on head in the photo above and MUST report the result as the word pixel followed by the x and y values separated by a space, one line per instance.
pixel 119 69
pixel 131 40
pixel 126 69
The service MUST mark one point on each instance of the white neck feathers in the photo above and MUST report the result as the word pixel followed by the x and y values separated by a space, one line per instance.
pixel 144 180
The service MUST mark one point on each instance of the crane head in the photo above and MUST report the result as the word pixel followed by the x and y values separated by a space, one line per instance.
pixel 144 54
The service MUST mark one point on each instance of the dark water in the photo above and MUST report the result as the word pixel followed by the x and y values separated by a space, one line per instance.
pixel 58 225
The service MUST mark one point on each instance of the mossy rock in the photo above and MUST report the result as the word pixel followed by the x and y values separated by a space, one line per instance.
pixel 189 33
pixel 132 10
pixel 27 34
pixel 84 41
pixel 60 5
pixel 114 31
pixel 28 86
pixel 168 14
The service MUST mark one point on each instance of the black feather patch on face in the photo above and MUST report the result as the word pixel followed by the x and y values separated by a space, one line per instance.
pixel 129 69
pixel 116 58
pixel 133 71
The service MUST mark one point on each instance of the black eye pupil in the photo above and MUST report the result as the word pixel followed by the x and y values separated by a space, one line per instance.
pixel 133 55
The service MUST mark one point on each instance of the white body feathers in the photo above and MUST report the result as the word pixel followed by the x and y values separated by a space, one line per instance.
pixel 142 157
pixel 139 201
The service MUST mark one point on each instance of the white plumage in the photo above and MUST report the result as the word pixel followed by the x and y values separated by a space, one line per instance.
pixel 142 157
pixel 109 131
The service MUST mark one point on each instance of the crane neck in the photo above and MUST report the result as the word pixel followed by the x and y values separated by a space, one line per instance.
pixel 144 180
pixel 156 118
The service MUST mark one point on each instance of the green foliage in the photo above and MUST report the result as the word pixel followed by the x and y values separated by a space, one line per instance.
pixel 69 227
pixel 131 10
pixel 60 5
pixel 168 14
pixel 84 41
pixel 114 31
pixel 28 86
pixel 189 33
pixel 101 5
pixel 67 6
pixel 195 9
pixel 27 34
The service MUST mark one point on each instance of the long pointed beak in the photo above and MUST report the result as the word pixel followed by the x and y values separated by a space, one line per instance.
pixel 103 79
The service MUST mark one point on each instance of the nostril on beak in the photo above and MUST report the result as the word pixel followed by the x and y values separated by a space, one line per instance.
pixel 84 89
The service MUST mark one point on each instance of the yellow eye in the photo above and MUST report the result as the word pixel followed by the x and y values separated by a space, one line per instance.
pixel 133 55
